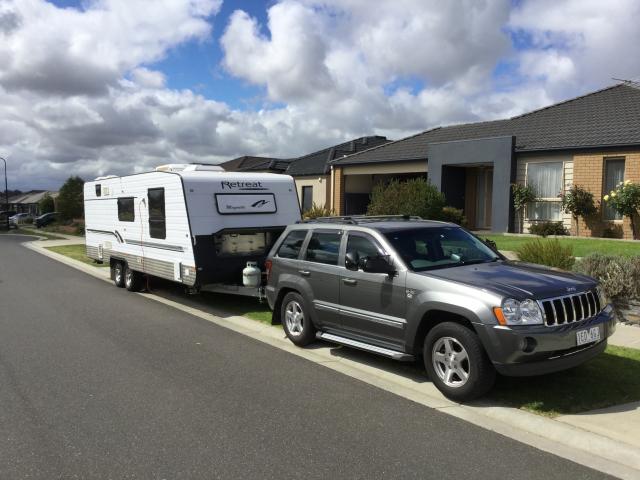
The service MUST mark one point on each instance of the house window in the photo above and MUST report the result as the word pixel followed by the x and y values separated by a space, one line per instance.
pixel 546 181
pixel 98 190
pixel 613 175
pixel 126 212
pixel 157 219
pixel 307 198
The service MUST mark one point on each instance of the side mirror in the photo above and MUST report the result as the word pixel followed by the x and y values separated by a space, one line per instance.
pixel 379 264
pixel 351 261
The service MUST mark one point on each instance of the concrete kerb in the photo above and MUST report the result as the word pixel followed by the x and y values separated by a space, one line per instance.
pixel 584 447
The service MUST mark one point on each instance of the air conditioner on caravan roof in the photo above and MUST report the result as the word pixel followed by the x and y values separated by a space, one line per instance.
pixel 188 167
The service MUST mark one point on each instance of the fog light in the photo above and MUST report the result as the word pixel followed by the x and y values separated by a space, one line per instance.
pixel 529 344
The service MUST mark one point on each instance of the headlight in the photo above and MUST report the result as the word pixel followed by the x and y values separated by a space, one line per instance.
pixel 514 312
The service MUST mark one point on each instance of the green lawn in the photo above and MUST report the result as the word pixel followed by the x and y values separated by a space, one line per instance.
pixel 612 378
pixel 238 305
pixel 581 247
pixel 77 252
pixel 23 231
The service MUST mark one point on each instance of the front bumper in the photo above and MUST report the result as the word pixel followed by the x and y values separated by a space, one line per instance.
pixel 537 350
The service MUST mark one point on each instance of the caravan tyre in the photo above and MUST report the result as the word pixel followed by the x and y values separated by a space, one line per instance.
pixel 117 273
pixel 132 280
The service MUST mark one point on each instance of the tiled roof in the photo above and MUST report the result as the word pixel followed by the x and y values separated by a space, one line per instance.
pixel 607 117
pixel 33 196
pixel 248 163
pixel 316 163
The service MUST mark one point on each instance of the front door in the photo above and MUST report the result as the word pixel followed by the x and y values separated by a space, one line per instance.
pixel 484 192
pixel 372 305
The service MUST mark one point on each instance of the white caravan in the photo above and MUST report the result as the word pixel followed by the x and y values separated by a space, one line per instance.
pixel 193 224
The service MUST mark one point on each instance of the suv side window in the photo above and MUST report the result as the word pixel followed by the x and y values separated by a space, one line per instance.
pixel 324 247
pixel 292 244
pixel 362 246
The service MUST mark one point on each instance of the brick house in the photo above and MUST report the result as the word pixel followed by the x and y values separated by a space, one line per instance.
pixel 592 141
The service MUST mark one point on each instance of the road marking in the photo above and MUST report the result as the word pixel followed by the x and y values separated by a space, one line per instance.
pixel 580 446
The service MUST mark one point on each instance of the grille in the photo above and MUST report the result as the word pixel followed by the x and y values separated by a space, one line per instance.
pixel 570 308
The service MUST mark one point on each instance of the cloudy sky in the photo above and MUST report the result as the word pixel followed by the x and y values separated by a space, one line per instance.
pixel 94 87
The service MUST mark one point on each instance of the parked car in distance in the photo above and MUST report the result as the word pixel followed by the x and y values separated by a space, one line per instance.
pixel 19 218
pixel 408 288
pixel 5 215
pixel 46 219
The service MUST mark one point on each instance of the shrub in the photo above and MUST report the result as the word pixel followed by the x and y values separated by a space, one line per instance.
pixel 522 195
pixel 317 211
pixel 579 203
pixel 548 228
pixel 614 231
pixel 453 215
pixel 619 276
pixel 547 252
pixel 47 204
pixel 625 200
pixel 413 197
pixel 71 199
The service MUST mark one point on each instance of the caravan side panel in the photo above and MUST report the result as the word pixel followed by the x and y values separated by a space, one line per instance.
pixel 131 236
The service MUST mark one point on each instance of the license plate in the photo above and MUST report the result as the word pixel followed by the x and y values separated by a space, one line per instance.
pixel 589 335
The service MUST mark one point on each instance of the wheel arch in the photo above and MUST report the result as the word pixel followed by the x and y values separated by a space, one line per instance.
pixel 436 316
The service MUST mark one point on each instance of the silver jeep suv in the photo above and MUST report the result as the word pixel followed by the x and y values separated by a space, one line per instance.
pixel 406 288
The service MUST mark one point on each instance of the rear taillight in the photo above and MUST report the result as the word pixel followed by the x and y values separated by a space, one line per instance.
pixel 267 267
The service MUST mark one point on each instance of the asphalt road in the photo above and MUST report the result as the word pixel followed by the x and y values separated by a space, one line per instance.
pixel 96 382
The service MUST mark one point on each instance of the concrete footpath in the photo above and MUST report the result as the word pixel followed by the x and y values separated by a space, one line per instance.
pixel 607 440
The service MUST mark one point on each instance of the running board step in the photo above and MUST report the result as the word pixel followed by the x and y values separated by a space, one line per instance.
pixel 349 342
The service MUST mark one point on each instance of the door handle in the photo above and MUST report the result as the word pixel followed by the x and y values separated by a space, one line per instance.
pixel 304 273
pixel 349 281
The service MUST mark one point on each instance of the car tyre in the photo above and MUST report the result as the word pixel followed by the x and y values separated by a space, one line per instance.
pixel 296 320
pixel 117 273
pixel 132 280
pixel 457 363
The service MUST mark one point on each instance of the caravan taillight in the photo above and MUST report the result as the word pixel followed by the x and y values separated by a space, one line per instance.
pixel 267 267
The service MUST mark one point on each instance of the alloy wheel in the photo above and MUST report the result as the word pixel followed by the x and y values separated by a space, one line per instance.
pixel 451 362
pixel 294 318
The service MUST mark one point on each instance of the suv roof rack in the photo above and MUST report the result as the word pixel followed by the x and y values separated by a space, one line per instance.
pixel 358 219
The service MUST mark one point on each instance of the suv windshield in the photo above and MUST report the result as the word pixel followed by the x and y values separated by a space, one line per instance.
pixel 439 247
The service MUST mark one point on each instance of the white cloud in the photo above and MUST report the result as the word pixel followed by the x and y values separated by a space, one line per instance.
pixel 79 91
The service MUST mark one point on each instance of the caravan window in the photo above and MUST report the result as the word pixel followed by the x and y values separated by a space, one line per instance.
pixel 126 212
pixel 98 190
pixel 157 219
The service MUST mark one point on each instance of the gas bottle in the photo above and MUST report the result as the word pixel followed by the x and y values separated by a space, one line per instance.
pixel 251 275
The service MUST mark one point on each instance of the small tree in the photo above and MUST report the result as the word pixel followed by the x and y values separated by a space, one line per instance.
pixel 46 204
pixel 71 199
pixel 413 197
pixel 522 195
pixel 579 203
pixel 625 200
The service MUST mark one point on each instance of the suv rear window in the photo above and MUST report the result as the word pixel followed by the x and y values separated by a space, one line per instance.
pixel 324 248
pixel 292 244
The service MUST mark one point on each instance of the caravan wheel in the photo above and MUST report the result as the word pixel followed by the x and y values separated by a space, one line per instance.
pixel 117 273
pixel 132 280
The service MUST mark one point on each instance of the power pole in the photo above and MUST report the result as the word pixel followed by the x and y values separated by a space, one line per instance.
pixel 6 191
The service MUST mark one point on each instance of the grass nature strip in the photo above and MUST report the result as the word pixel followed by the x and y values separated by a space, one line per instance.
pixel 581 247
